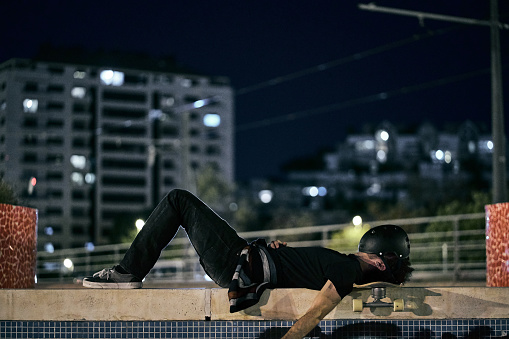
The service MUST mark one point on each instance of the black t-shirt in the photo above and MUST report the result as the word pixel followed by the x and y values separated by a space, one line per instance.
pixel 311 267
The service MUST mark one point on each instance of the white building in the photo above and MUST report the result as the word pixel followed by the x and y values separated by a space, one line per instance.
pixel 98 142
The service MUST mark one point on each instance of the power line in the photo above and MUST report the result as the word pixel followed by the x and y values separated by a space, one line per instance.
pixel 359 101
pixel 341 61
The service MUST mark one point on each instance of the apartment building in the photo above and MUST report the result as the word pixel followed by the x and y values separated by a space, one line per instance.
pixel 85 144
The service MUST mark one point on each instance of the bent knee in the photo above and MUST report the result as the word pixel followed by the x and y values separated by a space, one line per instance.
pixel 177 192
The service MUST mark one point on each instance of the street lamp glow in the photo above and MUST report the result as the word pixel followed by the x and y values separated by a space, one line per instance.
pixel 68 263
pixel 199 103
pixel 139 224
pixel 357 221
pixel 265 196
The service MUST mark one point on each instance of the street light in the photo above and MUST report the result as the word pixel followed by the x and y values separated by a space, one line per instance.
pixel 139 224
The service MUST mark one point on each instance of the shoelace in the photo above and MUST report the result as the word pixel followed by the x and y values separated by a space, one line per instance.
pixel 104 273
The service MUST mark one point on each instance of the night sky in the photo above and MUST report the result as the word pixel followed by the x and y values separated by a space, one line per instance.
pixel 305 72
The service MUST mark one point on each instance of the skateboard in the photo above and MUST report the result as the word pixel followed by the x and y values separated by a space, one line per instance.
pixel 378 292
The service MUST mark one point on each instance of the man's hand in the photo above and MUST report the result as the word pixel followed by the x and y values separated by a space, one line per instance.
pixel 325 301
pixel 277 243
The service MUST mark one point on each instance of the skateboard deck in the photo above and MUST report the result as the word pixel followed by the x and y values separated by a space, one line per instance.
pixel 378 292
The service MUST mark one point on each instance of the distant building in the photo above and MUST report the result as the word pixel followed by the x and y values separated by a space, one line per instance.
pixel 387 165
pixel 85 143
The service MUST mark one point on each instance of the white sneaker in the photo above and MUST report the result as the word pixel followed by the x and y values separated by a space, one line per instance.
pixel 111 278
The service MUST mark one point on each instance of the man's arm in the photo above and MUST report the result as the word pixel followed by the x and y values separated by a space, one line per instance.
pixel 325 301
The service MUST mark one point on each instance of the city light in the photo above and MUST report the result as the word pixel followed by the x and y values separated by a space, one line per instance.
pixel 114 78
pixel 211 120
pixel 78 92
pixel 265 196
pixel 89 246
pixel 199 103
pixel 357 221
pixel 31 184
pixel 322 191
pixel 448 157
pixel 374 189
pixel 139 224
pixel 78 161
pixel 439 154
pixel 79 75
pixel 68 263
pixel 77 178
pixel 314 191
pixel 90 178
pixel 48 247
pixel 381 156
pixel 30 105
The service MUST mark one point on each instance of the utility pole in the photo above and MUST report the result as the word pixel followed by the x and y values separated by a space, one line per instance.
pixel 497 115
pixel 499 181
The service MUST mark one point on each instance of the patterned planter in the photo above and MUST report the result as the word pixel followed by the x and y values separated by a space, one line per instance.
pixel 18 246
pixel 497 245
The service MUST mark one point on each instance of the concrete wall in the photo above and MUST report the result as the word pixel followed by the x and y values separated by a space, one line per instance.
pixel 280 304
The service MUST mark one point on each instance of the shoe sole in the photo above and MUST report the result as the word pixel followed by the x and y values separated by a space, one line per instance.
pixel 113 285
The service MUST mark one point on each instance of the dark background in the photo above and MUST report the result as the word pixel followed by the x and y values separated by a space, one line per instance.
pixel 375 66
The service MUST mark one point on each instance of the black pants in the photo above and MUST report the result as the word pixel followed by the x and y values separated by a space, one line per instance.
pixel 216 243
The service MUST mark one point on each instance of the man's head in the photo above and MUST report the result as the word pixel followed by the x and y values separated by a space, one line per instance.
pixel 390 245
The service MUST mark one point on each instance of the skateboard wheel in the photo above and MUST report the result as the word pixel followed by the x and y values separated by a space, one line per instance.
pixel 399 305
pixel 357 305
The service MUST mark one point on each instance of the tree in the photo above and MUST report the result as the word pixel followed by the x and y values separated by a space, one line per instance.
pixel 7 195
pixel 213 189
pixel 442 230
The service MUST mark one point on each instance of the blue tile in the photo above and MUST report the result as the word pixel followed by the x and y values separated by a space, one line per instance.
pixel 248 329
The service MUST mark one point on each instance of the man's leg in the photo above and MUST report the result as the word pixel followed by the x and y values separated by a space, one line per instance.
pixel 216 243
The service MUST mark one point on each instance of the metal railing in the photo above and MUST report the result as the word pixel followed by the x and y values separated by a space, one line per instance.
pixel 457 251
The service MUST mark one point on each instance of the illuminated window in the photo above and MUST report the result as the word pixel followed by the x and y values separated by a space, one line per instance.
pixel 113 78
pixel 448 157
pixel 90 178
pixel 365 145
pixel 186 83
pixel 167 101
pixel 439 155
pixel 382 135
pixel 89 246
pixel 471 147
pixel 381 156
pixel 77 178
pixel 78 92
pixel 79 75
pixel 30 105
pixel 49 248
pixel 78 161
pixel 211 120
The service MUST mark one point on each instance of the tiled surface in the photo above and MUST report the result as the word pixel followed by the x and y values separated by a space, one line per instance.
pixel 18 245
pixel 497 245
pixel 446 329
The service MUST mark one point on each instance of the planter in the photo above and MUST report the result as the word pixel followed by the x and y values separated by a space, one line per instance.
pixel 497 245
pixel 18 246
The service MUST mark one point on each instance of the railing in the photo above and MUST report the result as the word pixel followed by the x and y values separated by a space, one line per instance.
pixel 456 251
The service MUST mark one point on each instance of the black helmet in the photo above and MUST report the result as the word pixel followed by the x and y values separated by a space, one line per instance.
pixel 386 239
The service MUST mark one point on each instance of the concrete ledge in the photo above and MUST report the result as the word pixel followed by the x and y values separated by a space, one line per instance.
pixel 91 304
pixel 280 304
